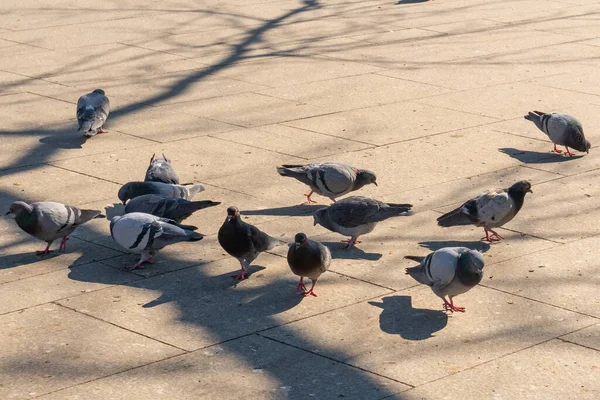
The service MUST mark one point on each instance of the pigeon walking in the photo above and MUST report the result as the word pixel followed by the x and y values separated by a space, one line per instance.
pixel 490 210
pixel 49 221
pixel 449 272
pixel 145 234
pixel 330 179
pixel 357 215
pixel 167 207
pixel 92 111
pixel 243 241
pixel 562 129
pixel 161 170
pixel 310 259
pixel 132 190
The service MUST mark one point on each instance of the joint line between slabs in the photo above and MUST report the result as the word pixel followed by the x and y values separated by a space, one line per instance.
pixel 82 173
pixel 577 344
pixel 333 359
pixel 256 147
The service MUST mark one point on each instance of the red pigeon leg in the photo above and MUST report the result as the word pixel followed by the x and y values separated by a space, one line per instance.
pixel 45 251
pixel 556 150
pixel 568 152
pixel 350 242
pixel 497 235
pixel 301 287
pixel 311 292
pixel 242 275
pixel 308 197
pixel 449 306
pixel 491 238
pixel 63 244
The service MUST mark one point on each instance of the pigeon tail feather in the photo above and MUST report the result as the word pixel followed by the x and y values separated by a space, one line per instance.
pixel 454 218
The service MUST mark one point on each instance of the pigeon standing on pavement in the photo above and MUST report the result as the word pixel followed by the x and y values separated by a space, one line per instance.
pixel 330 179
pixel 562 129
pixel 161 170
pixel 145 234
pixel 490 210
pixel 308 258
pixel 92 111
pixel 167 207
pixel 357 215
pixel 243 241
pixel 449 272
pixel 49 221
pixel 132 190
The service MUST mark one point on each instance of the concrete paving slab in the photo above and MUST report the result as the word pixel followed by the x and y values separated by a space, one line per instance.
pixel 406 336
pixel 48 348
pixel 355 92
pixel 572 199
pixel 179 308
pixel 16 111
pixel 563 276
pixel 48 183
pixel 19 260
pixel 66 282
pixel 390 123
pixel 554 369
pixel 293 141
pixel 250 367
pixel 251 109
pixel 588 337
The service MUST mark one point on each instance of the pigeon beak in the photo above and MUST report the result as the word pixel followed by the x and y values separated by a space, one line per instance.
pixel 530 191
pixel 8 212
pixel 297 245
pixel 315 223
pixel 375 183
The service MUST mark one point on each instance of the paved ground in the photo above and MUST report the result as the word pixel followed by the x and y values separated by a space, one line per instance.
pixel 429 94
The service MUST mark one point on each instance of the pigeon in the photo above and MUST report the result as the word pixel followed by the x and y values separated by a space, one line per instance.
pixel 145 234
pixel 357 215
pixel 92 111
pixel 167 207
pixel 243 241
pixel 449 272
pixel 308 258
pixel 49 221
pixel 330 179
pixel 562 129
pixel 492 209
pixel 160 170
pixel 132 190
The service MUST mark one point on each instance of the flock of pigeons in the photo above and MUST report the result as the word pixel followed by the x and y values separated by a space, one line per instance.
pixel 156 207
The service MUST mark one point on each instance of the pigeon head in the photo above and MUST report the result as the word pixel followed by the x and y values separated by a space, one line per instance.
pixel 320 216
pixel 470 267
pixel 521 187
pixel 585 145
pixel 18 208
pixel 126 192
pixel 232 213
pixel 364 177
pixel 99 91
pixel 300 238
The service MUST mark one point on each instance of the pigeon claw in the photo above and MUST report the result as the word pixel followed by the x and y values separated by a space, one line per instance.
pixel 43 252
pixel 451 308
pixel 308 197
pixel 63 244
pixel 241 276
pixel 301 287
pixel 350 242
pixel 310 293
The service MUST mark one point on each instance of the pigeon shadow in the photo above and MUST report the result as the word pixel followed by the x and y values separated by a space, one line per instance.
pixel 410 2
pixel 434 245
pixel 116 210
pixel 400 318
pixel 17 260
pixel 536 157
pixel 299 209
pixel 339 251
pixel 64 141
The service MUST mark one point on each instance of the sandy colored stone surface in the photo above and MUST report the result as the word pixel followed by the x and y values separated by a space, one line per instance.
pixel 430 95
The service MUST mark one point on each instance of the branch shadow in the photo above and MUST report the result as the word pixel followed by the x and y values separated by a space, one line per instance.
pixel 536 157
pixel 398 317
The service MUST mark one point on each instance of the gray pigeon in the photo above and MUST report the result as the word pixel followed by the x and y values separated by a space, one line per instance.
pixel 49 221
pixel 243 241
pixel 357 215
pixel 330 179
pixel 490 210
pixel 135 189
pixel 92 111
pixel 449 272
pixel 160 170
pixel 145 234
pixel 167 207
pixel 562 129
pixel 309 259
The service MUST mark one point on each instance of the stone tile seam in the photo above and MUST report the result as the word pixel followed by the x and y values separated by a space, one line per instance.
pixel 83 173
pixel 256 147
pixel 577 344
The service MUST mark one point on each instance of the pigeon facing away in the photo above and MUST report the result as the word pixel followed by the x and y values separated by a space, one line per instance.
pixel 449 272
pixel 243 241
pixel 92 111
pixel 562 129
pixel 167 207
pixel 132 190
pixel 357 215
pixel 309 259
pixel 330 179
pixel 160 170
pixel 49 221
pixel 145 234
pixel 489 210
